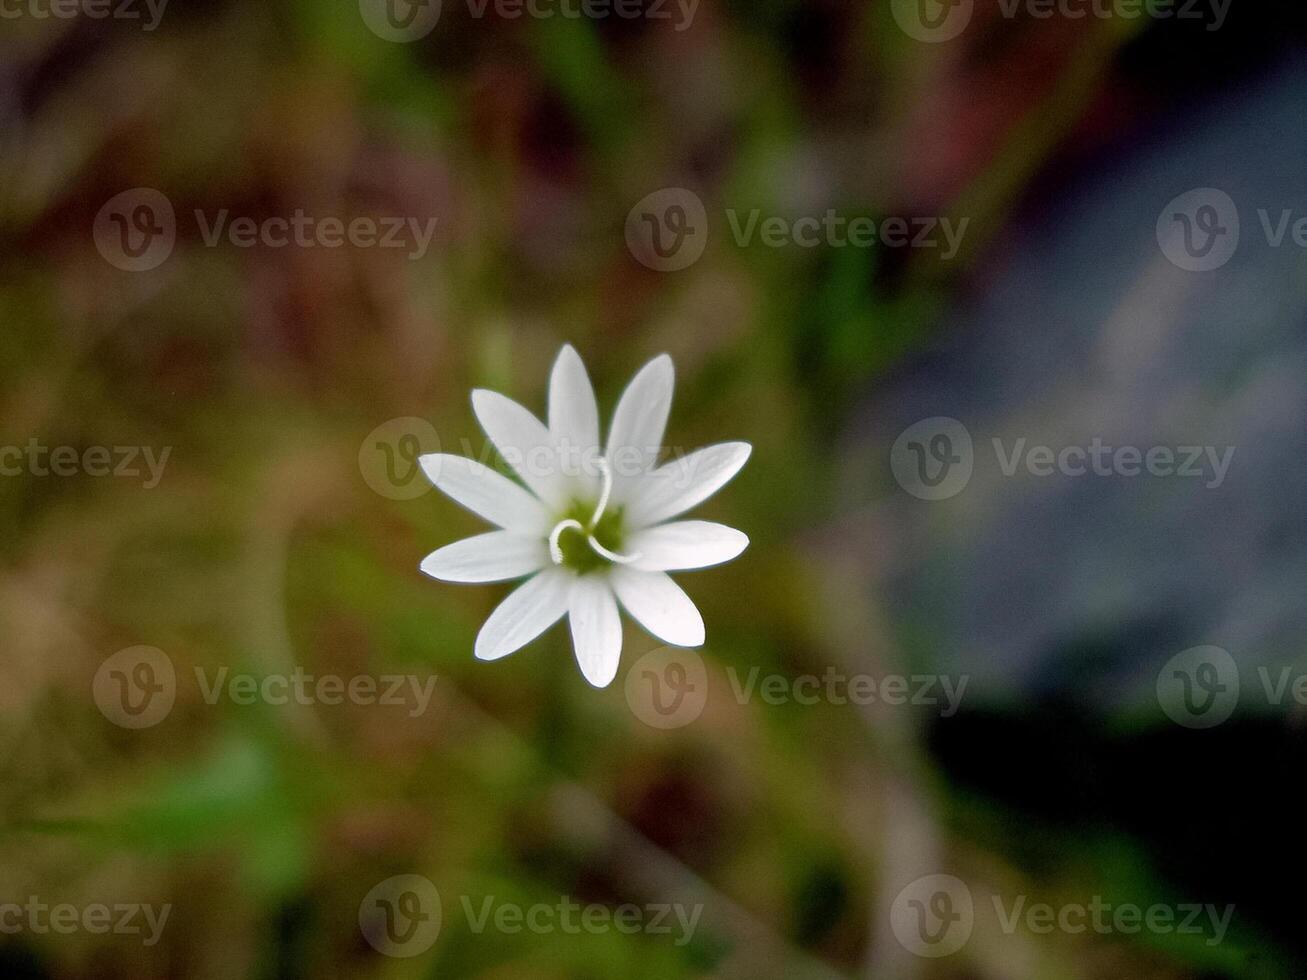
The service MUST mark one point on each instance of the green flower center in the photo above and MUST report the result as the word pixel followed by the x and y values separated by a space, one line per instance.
pixel 574 543
pixel 589 536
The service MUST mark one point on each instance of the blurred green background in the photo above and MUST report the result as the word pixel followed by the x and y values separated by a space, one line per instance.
pixel 264 546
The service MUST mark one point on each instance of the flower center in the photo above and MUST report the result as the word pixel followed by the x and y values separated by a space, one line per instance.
pixel 596 537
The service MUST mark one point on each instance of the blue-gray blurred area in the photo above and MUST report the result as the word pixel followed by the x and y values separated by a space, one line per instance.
pixel 1063 597
pixel 1085 329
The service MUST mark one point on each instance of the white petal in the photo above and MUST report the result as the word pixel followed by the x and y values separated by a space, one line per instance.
pixel 659 605
pixel 524 442
pixel 493 557
pixel 487 493
pixel 680 484
pixel 596 629
pixel 637 434
pixel 527 612
pixel 685 544
pixel 574 418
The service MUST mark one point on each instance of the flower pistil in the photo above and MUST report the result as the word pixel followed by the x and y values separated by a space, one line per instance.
pixel 592 529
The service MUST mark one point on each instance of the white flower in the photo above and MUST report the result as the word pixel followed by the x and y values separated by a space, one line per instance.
pixel 593 525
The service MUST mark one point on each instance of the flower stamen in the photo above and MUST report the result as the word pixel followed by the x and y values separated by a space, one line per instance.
pixel 611 555
pixel 555 550
pixel 571 523
pixel 606 475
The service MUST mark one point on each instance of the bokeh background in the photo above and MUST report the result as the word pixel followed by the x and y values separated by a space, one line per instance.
pixel 266 543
